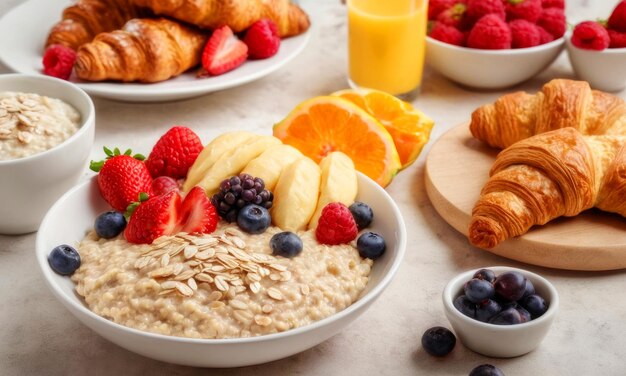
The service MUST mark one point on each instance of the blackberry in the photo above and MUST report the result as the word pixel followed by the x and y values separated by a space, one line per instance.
pixel 239 191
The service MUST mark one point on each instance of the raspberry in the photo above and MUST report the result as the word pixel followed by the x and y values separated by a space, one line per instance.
pixel 590 35
pixel 618 40
pixel 524 34
pixel 454 16
pixel 336 225
pixel 529 10
pixel 262 39
pixel 174 153
pixel 447 34
pixel 239 191
pixel 553 20
pixel 435 7
pixel 476 9
pixel 545 37
pixel 58 61
pixel 617 20
pixel 490 33
pixel 553 4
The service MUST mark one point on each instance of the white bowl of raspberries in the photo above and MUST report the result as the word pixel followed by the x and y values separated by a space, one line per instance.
pixel 597 50
pixel 493 44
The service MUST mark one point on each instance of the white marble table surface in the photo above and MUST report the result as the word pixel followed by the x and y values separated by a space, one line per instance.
pixel 40 337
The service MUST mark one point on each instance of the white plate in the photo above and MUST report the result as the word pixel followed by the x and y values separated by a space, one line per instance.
pixel 24 29
pixel 83 204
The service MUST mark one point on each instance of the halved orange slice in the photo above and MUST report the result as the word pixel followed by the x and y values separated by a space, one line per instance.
pixel 324 124
pixel 409 127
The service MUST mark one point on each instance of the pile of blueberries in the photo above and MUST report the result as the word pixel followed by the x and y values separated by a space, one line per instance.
pixel 506 299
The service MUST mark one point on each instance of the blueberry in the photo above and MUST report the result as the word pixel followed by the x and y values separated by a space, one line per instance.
pixel 438 341
pixel 64 259
pixel 486 274
pixel 465 306
pixel 362 214
pixel 487 309
pixel 110 224
pixel 510 286
pixel 486 370
pixel 371 245
pixel 509 316
pixel 253 219
pixel 529 289
pixel 478 290
pixel 286 244
pixel 535 305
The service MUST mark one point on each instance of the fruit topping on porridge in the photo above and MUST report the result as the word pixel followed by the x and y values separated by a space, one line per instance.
pixel 243 237
pixel 31 124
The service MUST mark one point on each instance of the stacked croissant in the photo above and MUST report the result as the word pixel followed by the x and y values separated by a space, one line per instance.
pixel 153 40
pixel 564 152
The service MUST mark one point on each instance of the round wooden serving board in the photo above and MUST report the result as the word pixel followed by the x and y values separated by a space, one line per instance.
pixel 458 166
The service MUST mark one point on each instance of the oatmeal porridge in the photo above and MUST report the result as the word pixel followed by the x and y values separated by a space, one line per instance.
pixel 222 285
pixel 31 124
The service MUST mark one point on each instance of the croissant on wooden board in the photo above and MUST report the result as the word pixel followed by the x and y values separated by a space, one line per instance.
pixel 87 18
pixel 560 103
pixel 237 14
pixel 553 174
pixel 144 50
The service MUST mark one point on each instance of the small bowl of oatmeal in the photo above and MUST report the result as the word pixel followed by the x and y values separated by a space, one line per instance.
pixel 46 134
pixel 246 306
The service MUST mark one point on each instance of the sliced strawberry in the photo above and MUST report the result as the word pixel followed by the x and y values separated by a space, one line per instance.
pixel 262 39
pixel 163 185
pixel 174 153
pixel 223 52
pixel 198 215
pixel 153 218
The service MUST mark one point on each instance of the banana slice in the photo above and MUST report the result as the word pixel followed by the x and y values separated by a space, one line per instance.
pixel 338 183
pixel 296 194
pixel 271 163
pixel 211 153
pixel 233 161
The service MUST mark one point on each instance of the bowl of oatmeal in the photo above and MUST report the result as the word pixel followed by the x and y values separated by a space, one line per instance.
pixel 46 133
pixel 244 307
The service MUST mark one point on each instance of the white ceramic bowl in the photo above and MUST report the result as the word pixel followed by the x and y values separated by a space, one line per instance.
pixel 604 70
pixel 29 186
pixel 74 213
pixel 501 341
pixel 490 69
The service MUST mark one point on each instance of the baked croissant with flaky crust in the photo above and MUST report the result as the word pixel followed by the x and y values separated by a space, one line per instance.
pixel 557 173
pixel 87 18
pixel 237 14
pixel 144 50
pixel 560 103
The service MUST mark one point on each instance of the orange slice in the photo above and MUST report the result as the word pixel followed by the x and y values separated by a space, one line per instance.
pixel 325 124
pixel 409 127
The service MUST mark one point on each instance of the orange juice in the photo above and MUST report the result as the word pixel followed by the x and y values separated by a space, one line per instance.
pixel 386 42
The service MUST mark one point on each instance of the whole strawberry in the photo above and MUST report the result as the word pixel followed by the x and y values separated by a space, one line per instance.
pixel 122 177
pixel 476 9
pixel 262 39
pixel 491 33
pixel 155 217
pixel 529 10
pixel 174 153
pixel 553 21
pixel 617 19
pixel 590 35
pixel 336 225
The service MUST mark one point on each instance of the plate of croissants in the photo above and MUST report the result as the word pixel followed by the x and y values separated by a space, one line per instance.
pixel 147 50
pixel 539 178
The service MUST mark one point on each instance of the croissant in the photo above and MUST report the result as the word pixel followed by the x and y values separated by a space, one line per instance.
pixel 87 18
pixel 560 103
pixel 237 14
pixel 145 50
pixel 557 173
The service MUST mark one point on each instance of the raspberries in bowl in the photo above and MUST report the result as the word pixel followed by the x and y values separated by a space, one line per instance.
pixel 597 50
pixel 493 44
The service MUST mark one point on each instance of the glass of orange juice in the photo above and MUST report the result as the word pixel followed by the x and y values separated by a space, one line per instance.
pixel 386 44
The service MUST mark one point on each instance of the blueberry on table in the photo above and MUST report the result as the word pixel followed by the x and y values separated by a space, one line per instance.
pixel 371 245
pixel 485 274
pixel 509 316
pixel 510 286
pixel 362 214
pixel 535 304
pixel 286 244
pixel 487 309
pixel 438 341
pixel 478 290
pixel 465 306
pixel 110 224
pixel 486 370
pixel 64 259
pixel 253 219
